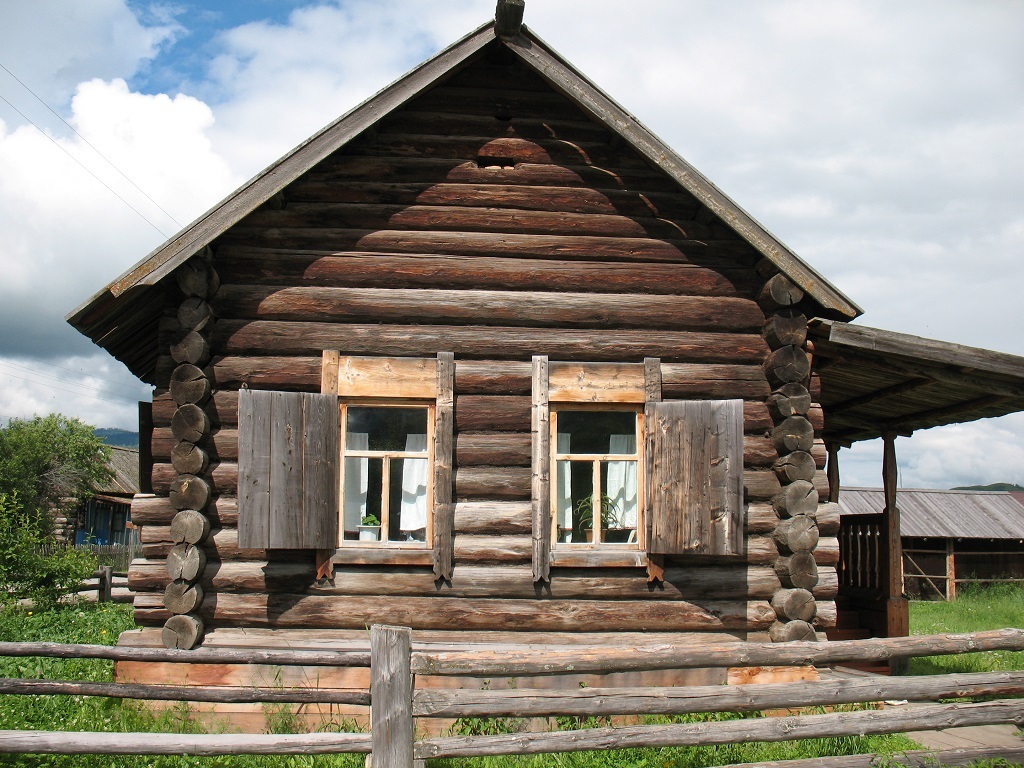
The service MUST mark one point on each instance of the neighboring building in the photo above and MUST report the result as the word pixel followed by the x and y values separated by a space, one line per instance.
pixel 950 538
pixel 105 517
pixel 488 359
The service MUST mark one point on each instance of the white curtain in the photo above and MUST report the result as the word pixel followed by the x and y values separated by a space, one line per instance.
pixel 563 494
pixel 414 486
pixel 357 478
pixel 622 487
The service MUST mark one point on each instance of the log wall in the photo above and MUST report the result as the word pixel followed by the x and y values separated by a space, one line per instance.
pixel 492 219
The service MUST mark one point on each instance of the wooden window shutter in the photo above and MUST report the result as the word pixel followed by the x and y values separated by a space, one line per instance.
pixel 695 456
pixel 288 470
pixel 541 460
pixel 444 439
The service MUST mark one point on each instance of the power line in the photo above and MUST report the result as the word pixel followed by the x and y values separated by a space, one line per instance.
pixel 62 389
pixel 73 370
pixel 55 378
pixel 108 162
pixel 62 149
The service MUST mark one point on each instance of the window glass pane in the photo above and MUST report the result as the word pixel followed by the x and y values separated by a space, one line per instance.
pixel 599 432
pixel 619 502
pixel 363 493
pixel 386 429
pixel 574 492
pixel 408 500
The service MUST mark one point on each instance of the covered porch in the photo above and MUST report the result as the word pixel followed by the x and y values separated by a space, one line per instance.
pixel 882 384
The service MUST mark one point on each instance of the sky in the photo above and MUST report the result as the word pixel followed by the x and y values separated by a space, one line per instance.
pixel 881 141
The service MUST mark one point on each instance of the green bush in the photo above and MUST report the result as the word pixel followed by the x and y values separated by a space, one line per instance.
pixel 32 566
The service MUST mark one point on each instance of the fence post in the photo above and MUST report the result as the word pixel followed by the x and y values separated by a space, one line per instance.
pixel 106 573
pixel 391 724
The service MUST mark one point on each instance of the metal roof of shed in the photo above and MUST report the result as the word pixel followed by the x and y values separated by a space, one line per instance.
pixel 124 463
pixel 932 513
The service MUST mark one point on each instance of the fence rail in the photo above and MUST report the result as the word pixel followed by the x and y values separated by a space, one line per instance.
pixel 395 701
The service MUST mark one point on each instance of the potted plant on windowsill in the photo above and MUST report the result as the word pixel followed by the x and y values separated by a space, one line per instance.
pixel 369 528
pixel 611 523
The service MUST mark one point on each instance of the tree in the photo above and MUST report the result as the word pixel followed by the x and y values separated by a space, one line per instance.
pixel 48 464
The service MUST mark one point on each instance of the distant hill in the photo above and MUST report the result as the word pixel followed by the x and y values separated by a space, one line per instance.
pixel 119 437
pixel 991 487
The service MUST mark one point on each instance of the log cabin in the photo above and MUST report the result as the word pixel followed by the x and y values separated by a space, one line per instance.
pixel 486 358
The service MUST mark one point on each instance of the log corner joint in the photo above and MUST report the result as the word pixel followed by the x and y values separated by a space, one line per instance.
pixel 508 17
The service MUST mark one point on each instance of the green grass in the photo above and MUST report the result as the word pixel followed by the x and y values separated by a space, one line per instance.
pixel 992 607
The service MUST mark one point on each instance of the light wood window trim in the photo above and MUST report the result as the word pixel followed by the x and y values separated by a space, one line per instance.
pixel 639 457
pixel 430 408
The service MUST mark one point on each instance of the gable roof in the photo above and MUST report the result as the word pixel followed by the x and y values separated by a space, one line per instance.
pixel 123 316
pixel 931 513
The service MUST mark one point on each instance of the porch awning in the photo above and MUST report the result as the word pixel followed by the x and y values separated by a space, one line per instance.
pixel 875 381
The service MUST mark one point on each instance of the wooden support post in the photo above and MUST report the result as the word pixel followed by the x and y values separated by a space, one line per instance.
pixel 145 447
pixel 950 570
pixel 391 723
pixel 832 472
pixel 897 609
pixel 106 573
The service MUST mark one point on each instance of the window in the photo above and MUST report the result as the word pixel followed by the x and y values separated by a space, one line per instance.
pixel 597 488
pixel 316 469
pixel 386 483
pixel 614 486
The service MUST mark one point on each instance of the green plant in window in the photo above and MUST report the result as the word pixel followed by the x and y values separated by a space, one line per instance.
pixel 370 520
pixel 610 517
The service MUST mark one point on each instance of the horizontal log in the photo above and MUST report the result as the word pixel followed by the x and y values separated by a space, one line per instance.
pixel 493 517
pixel 258 265
pixel 430 171
pixel 485 517
pixel 514 196
pixel 919 758
pixel 707 253
pixel 505 308
pixel 490 151
pixel 827 587
pixel 533 702
pixel 826 614
pixel 281 337
pixel 548 661
pixel 482 387
pixel 206 744
pixel 158 510
pixel 926 717
pixel 455 218
pixel 345 612
pixel 827 551
pixel 711 582
pixel 828 518
pixel 219 694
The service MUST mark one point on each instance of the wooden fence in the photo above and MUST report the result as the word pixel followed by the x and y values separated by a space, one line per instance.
pixel 395 701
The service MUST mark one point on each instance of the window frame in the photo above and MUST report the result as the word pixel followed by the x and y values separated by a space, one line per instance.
pixel 431 408
pixel 638 457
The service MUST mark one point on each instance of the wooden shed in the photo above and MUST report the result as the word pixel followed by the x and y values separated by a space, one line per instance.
pixel 486 358
pixel 950 539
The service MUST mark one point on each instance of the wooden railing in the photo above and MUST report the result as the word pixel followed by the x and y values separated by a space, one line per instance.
pixel 395 702
pixel 862 552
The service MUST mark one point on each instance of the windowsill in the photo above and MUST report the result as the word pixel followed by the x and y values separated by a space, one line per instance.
pixel 582 556
pixel 383 554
